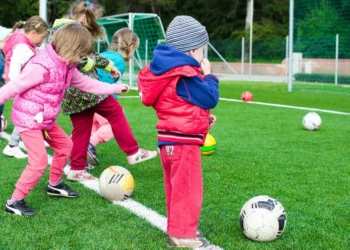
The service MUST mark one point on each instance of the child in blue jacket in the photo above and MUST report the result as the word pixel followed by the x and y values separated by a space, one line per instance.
pixel 122 49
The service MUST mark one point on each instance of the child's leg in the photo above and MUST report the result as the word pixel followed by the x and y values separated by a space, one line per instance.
pixel 82 124
pixel 184 186
pixel 12 148
pixel 62 145
pixel 15 138
pixel 113 112
pixel 102 130
pixel 37 162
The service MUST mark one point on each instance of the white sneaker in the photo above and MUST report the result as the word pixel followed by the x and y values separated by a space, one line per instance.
pixel 14 152
pixel 21 145
pixel 80 175
pixel 188 243
pixel 141 155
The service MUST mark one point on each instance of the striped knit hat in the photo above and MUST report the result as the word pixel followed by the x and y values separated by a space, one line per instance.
pixel 185 33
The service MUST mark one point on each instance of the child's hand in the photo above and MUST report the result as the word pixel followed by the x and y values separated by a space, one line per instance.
pixel 122 88
pixel 212 120
pixel 205 65
pixel 115 72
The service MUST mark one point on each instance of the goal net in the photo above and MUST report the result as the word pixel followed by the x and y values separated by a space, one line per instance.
pixel 321 41
pixel 149 29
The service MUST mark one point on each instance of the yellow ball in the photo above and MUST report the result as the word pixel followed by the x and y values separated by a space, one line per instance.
pixel 209 145
pixel 116 183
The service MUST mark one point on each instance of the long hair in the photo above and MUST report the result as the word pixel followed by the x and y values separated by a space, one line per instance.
pixel 73 40
pixel 122 41
pixel 92 12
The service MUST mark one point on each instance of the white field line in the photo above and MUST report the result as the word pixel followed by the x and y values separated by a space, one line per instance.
pixel 272 105
pixel 155 219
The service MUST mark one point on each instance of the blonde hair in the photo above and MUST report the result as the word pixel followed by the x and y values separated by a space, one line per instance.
pixel 92 12
pixel 71 40
pixel 35 23
pixel 122 41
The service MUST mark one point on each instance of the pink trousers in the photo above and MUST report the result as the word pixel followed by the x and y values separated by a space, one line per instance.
pixel 38 160
pixel 101 130
pixel 183 188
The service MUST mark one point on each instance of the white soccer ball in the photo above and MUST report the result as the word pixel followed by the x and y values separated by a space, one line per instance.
pixel 312 121
pixel 263 218
pixel 116 183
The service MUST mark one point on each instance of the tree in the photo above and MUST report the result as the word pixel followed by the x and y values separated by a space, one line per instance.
pixel 316 31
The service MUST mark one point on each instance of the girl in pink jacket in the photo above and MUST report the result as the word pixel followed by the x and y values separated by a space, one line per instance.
pixel 38 92
pixel 18 49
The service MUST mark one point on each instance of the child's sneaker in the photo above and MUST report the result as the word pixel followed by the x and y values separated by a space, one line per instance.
pixel 14 152
pixel 61 189
pixel 186 242
pixel 92 155
pixel 19 207
pixel 80 175
pixel 199 234
pixel 141 155
pixel 88 166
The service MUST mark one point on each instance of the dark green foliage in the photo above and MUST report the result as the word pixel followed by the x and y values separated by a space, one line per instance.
pixel 324 78
pixel 316 26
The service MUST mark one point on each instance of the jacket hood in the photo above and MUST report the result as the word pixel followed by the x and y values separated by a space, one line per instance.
pixel 167 58
pixel 167 66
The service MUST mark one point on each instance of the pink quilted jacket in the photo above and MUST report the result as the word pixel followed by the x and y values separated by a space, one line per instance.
pixel 45 97
pixel 16 38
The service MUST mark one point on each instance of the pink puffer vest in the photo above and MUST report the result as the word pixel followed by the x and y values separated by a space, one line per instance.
pixel 16 38
pixel 45 97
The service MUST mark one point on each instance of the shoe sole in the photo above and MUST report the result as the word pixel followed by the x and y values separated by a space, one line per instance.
pixel 78 180
pixel 61 195
pixel 17 157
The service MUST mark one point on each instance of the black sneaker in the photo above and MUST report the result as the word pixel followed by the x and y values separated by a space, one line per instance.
pixel 92 155
pixel 61 189
pixel 19 207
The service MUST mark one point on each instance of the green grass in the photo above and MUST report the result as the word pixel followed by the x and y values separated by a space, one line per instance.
pixel 260 150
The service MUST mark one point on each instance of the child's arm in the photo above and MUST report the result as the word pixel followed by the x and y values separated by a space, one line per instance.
pixel 95 60
pixel 203 93
pixel 31 76
pixel 90 85
pixel 21 55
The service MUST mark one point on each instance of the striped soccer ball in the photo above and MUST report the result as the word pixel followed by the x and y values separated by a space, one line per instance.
pixel 3 123
pixel 312 121
pixel 116 183
pixel 209 145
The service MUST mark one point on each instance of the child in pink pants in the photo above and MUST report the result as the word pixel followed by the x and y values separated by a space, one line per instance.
pixel 179 85
pixel 38 92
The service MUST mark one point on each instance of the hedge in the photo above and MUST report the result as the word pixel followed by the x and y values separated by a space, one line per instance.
pixel 325 78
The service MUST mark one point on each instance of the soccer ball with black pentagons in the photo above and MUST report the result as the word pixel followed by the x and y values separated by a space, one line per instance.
pixel 116 183
pixel 312 121
pixel 263 218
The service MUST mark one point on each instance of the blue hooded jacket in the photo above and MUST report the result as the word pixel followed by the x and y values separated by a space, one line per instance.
pixel 119 63
pixel 202 92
